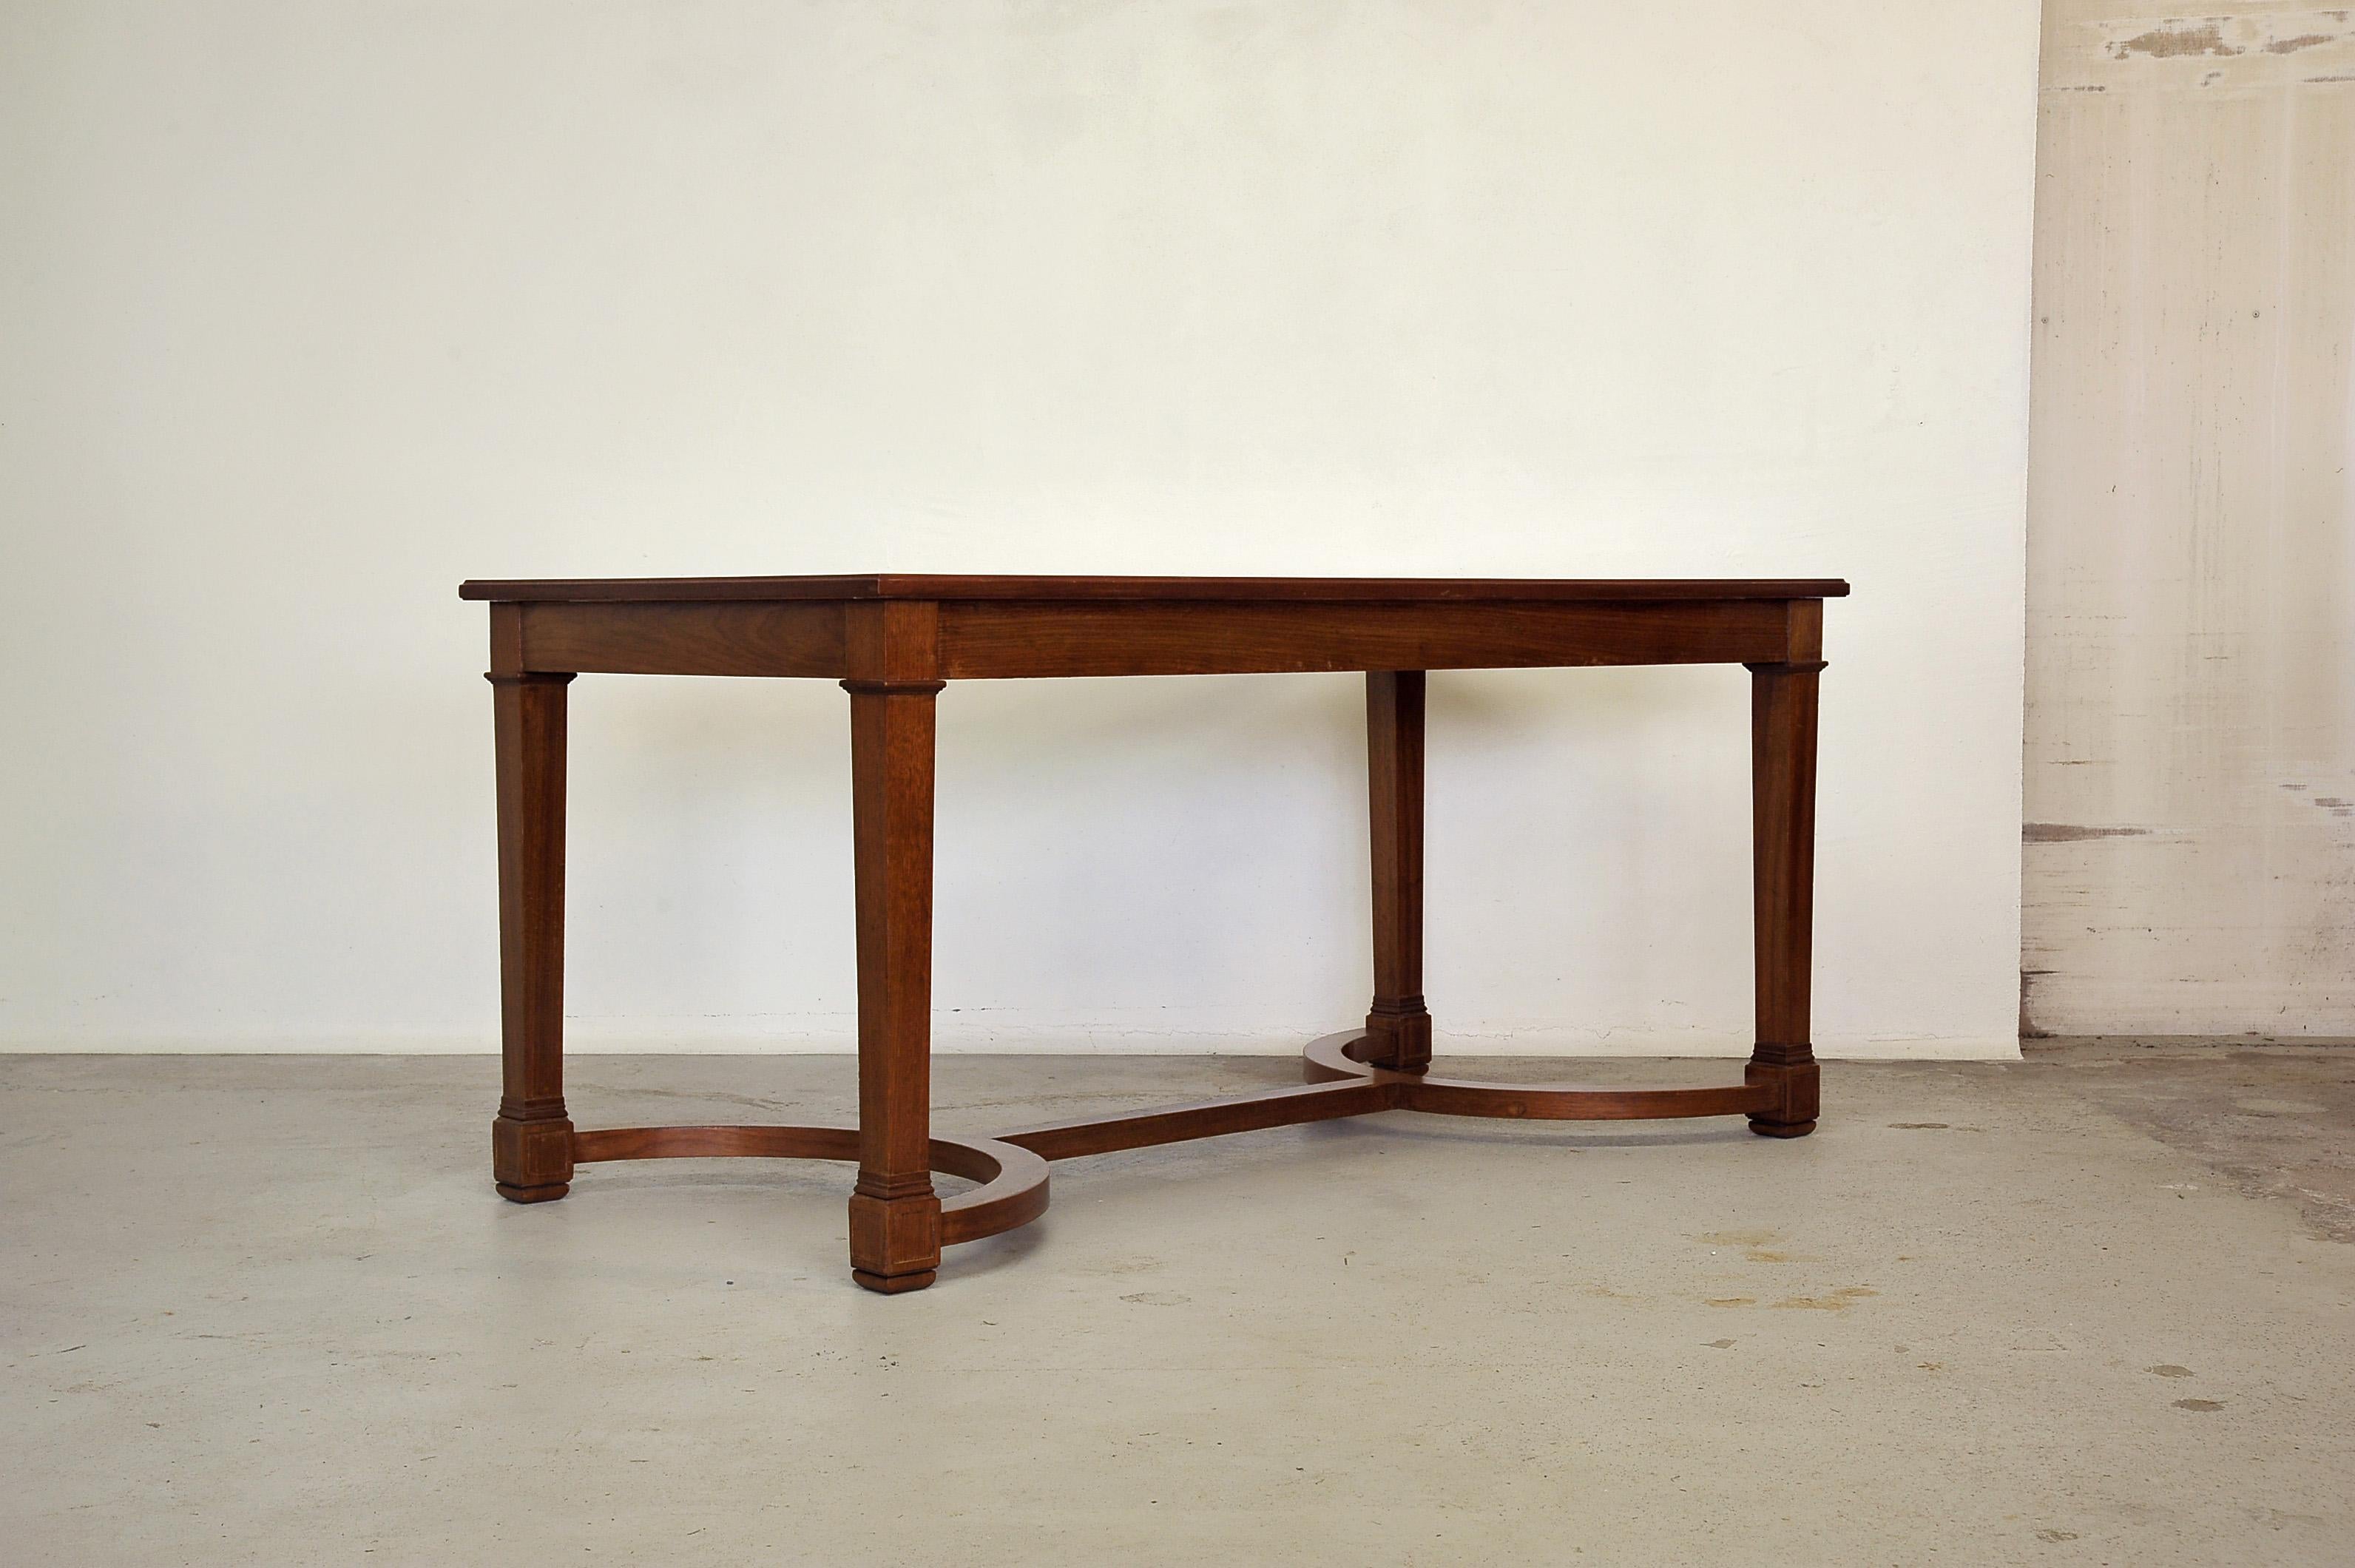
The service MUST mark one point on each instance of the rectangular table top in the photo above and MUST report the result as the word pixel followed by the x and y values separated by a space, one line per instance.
pixel 1230 590
pixel 913 630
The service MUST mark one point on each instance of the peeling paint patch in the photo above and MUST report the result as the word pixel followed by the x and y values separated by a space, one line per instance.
pixel 2268 35
pixel 2172 38
pixel 2070 833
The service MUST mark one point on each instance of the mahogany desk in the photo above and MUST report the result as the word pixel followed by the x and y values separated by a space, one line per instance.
pixel 894 641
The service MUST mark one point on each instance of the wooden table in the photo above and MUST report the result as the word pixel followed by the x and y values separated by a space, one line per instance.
pixel 894 642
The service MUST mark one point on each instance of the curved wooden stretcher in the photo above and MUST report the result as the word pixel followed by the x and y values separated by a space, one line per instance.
pixel 894 642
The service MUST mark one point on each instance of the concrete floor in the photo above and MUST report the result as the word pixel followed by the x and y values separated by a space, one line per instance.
pixel 2090 1308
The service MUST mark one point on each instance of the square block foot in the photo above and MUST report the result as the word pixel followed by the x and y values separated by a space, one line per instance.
pixel 531 1162
pixel 895 1240
pixel 894 1283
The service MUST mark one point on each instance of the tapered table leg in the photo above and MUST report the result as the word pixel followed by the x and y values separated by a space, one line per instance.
pixel 1398 1027
pixel 895 1217
pixel 1782 861
pixel 531 1141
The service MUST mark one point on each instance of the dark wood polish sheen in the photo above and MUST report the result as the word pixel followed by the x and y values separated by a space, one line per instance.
pixel 895 641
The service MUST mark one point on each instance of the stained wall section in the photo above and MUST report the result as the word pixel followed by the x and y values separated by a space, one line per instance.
pixel 2189 854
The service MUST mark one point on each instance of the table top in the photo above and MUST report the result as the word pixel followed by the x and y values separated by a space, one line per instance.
pixel 1282 590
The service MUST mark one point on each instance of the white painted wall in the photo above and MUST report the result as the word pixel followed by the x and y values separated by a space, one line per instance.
pixel 313 309
pixel 2190 794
